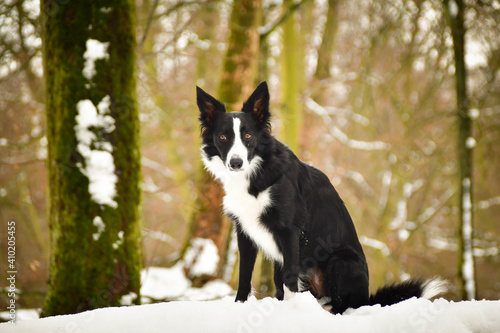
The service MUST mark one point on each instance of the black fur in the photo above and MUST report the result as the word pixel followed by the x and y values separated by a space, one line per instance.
pixel 394 293
pixel 307 218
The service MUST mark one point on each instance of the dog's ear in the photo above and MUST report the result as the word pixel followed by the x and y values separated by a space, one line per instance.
pixel 258 104
pixel 209 107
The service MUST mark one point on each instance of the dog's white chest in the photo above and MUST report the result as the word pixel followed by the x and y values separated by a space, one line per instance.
pixel 244 206
pixel 248 209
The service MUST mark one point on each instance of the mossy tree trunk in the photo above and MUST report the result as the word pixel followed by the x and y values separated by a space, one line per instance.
pixel 95 233
pixel 455 11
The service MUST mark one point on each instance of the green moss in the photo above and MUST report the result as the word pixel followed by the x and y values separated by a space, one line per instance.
pixel 87 273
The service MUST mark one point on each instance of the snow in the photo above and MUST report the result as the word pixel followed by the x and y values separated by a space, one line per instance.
pixel 473 113
pixel 399 221
pixel 441 243
pixel 161 236
pixel 356 177
pixel 161 283
pixel 476 54
pixel 470 142
pixel 453 7
pixel 467 258
pixel 212 309
pixel 231 258
pixel 386 184
pixel 376 244
pixel 171 283
pixel 119 241
pixel 201 257
pixel 99 224
pixel 300 314
pixel 97 152
pixel 484 204
pixel 338 134
pixel 96 50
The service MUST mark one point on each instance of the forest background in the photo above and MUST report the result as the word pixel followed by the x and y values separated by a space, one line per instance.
pixel 363 90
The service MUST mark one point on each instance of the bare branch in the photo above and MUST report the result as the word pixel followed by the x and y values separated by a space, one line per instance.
pixel 337 132
pixel 265 31
pixel 148 23
pixel 23 143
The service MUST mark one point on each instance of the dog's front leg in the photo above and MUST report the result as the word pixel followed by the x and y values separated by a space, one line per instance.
pixel 291 268
pixel 248 253
pixel 278 280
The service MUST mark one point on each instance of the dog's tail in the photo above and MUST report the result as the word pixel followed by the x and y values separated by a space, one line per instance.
pixel 397 292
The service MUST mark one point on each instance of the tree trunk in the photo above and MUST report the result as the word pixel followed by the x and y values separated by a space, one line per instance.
pixel 326 48
pixel 206 220
pixel 292 74
pixel 455 14
pixel 236 83
pixel 263 272
pixel 93 154
pixel 240 64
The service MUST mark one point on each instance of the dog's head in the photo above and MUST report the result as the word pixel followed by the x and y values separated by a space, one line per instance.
pixel 234 137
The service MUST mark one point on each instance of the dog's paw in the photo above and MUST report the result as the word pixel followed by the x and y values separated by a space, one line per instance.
pixel 293 285
pixel 280 294
pixel 289 294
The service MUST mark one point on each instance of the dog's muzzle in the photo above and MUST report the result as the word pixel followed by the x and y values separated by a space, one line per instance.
pixel 235 163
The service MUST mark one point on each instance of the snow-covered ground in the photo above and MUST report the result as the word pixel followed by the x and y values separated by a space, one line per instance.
pixel 196 311
pixel 300 314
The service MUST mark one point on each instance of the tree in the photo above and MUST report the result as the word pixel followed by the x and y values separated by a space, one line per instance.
pixel 93 154
pixel 237 80
pixel 291 78
pixel 240 64
pixel 455 14
pixel 326 48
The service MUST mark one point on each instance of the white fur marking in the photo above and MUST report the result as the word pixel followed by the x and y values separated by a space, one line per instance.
pixel 215 166
pixel 288 294
pixel 241 204
pixel 248 209
pixel 238 149
pixel 434 287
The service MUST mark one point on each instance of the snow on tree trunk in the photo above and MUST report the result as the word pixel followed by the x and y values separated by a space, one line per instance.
pixel 93 154
pixel 467 257
pixel 455 14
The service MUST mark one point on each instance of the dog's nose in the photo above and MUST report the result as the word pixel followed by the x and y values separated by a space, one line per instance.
pixel 235 163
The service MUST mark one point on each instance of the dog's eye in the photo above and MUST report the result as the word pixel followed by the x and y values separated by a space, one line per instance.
pixel 222 137
pixel 248 136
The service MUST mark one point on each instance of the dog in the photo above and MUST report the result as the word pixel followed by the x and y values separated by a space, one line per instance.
pixel 290 211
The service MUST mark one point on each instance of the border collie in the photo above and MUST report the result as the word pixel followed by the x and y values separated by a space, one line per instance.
pixel 290 211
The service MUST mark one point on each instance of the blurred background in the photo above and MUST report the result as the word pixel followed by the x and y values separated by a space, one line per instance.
pixel 375 110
